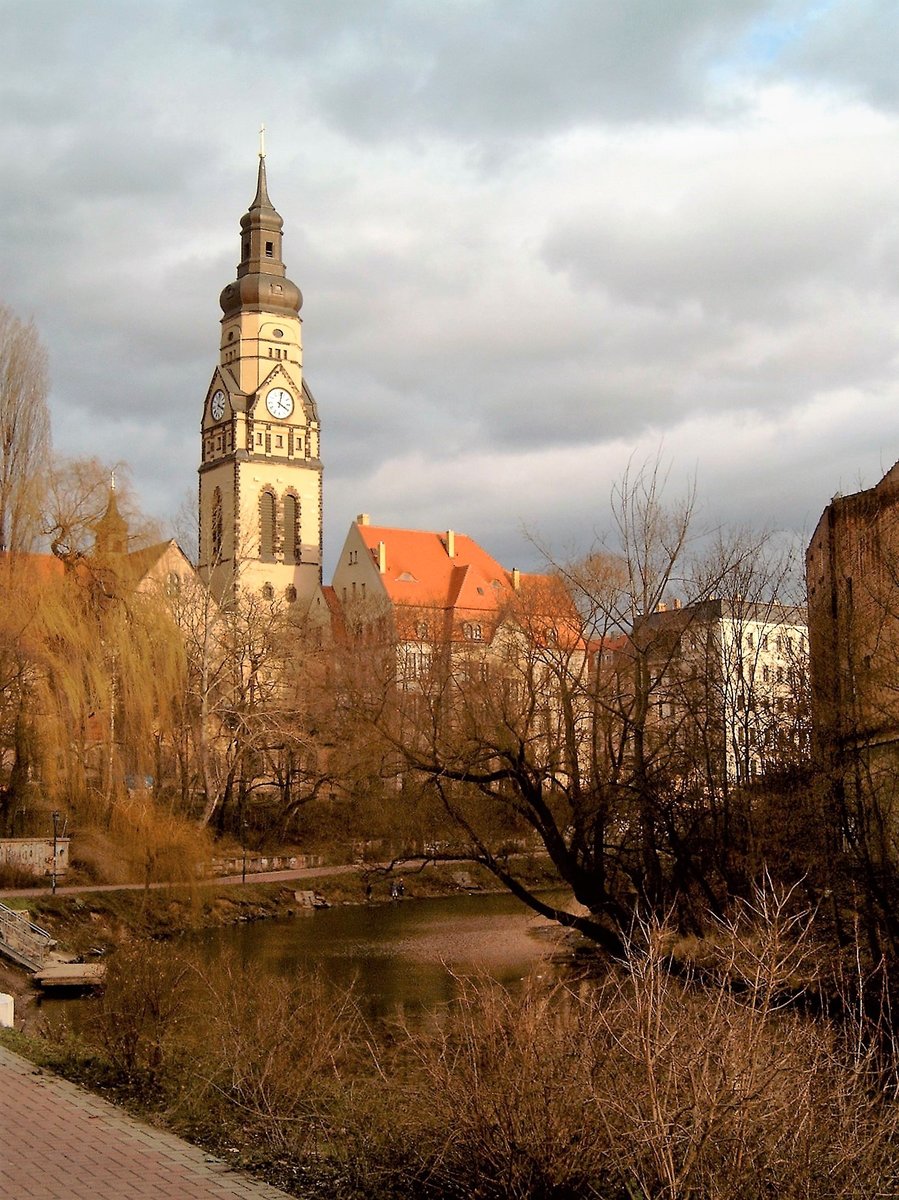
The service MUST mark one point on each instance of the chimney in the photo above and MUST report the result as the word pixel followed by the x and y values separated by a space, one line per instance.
pixel 450 543
pixel 516 579
pixel 382 557
pixel 363 519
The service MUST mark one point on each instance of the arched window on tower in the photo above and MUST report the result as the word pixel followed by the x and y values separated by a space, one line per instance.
pixel 292 543
pixel 217 525
pixel 267 527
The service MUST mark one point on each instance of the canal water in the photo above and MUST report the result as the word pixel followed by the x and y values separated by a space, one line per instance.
pixel 406 956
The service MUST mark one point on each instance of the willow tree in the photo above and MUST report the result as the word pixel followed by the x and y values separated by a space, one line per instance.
pixel 24 431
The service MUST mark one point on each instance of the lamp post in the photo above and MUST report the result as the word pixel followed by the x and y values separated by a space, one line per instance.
pixel 55 838
pixel 243 838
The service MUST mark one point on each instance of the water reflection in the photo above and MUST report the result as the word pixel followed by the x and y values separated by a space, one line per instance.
pixel 401 957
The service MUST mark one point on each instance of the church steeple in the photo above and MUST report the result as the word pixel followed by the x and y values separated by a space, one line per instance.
pixel 262 283
pixel 111 531
pixel 260 469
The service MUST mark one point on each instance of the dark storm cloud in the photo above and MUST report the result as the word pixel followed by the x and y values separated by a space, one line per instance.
pixel 500 68
pixel 531 235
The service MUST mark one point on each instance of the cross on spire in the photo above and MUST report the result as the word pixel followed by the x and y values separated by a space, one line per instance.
pixel 262 141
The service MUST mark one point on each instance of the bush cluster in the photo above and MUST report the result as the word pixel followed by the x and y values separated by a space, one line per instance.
pixel 637 1085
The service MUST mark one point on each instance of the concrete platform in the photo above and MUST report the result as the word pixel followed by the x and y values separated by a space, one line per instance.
pixel 70 975
pixel 58 1142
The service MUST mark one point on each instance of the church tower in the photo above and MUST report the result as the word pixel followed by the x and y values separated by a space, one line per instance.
pixel 260 472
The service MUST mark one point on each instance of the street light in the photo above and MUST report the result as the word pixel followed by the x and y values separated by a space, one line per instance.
pixel 243 840
pixel 55 837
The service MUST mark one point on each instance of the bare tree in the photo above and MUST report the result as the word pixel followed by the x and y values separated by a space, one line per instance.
pixel 561 734
pixel 24 430
pixel 76 496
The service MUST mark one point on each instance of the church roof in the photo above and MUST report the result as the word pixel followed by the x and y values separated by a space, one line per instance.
pixel 141 562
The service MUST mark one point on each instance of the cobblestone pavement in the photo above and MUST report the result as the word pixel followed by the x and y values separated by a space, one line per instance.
pixel 59 1142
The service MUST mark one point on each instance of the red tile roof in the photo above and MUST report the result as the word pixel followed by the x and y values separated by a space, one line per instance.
pixel 419 570
pixel 470 586
pixel 37 567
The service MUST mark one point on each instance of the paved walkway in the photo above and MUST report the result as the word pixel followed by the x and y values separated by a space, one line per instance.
pixel 289 876
pixel 58 1142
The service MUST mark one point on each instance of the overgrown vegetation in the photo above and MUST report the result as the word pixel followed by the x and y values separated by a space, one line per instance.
pixel 635 1083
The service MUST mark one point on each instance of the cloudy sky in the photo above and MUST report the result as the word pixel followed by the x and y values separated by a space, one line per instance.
pixel 535 238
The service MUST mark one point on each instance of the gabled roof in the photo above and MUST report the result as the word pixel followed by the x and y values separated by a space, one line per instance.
pixel 420 571
pixel 141 562
pixel 544 606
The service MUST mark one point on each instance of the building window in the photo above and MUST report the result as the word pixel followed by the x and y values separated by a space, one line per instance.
pixel 291 529
pixel 216 525
pixel 269 249
pixel 472 631
pixel 258 439
pixel 267 527
pixel 290 594
pixel 279 441
pixel 268 592
pixel 173 584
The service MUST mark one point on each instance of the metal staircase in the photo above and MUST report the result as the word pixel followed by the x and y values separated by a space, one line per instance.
pixel 23 941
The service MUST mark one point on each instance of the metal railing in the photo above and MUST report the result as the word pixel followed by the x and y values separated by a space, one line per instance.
pixel 22 940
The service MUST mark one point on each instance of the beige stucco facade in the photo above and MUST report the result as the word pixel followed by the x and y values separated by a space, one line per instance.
pixel 260 471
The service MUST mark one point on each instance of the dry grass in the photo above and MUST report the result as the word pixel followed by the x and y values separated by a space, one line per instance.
pixel 638 1086
pixel 135 841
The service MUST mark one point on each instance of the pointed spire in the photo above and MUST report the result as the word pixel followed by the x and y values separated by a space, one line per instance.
pixel 111 531
pixel 261 199
pixel 262 283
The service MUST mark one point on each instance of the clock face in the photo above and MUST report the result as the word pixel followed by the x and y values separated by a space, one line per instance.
pixel 218 406
pixel 279 402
